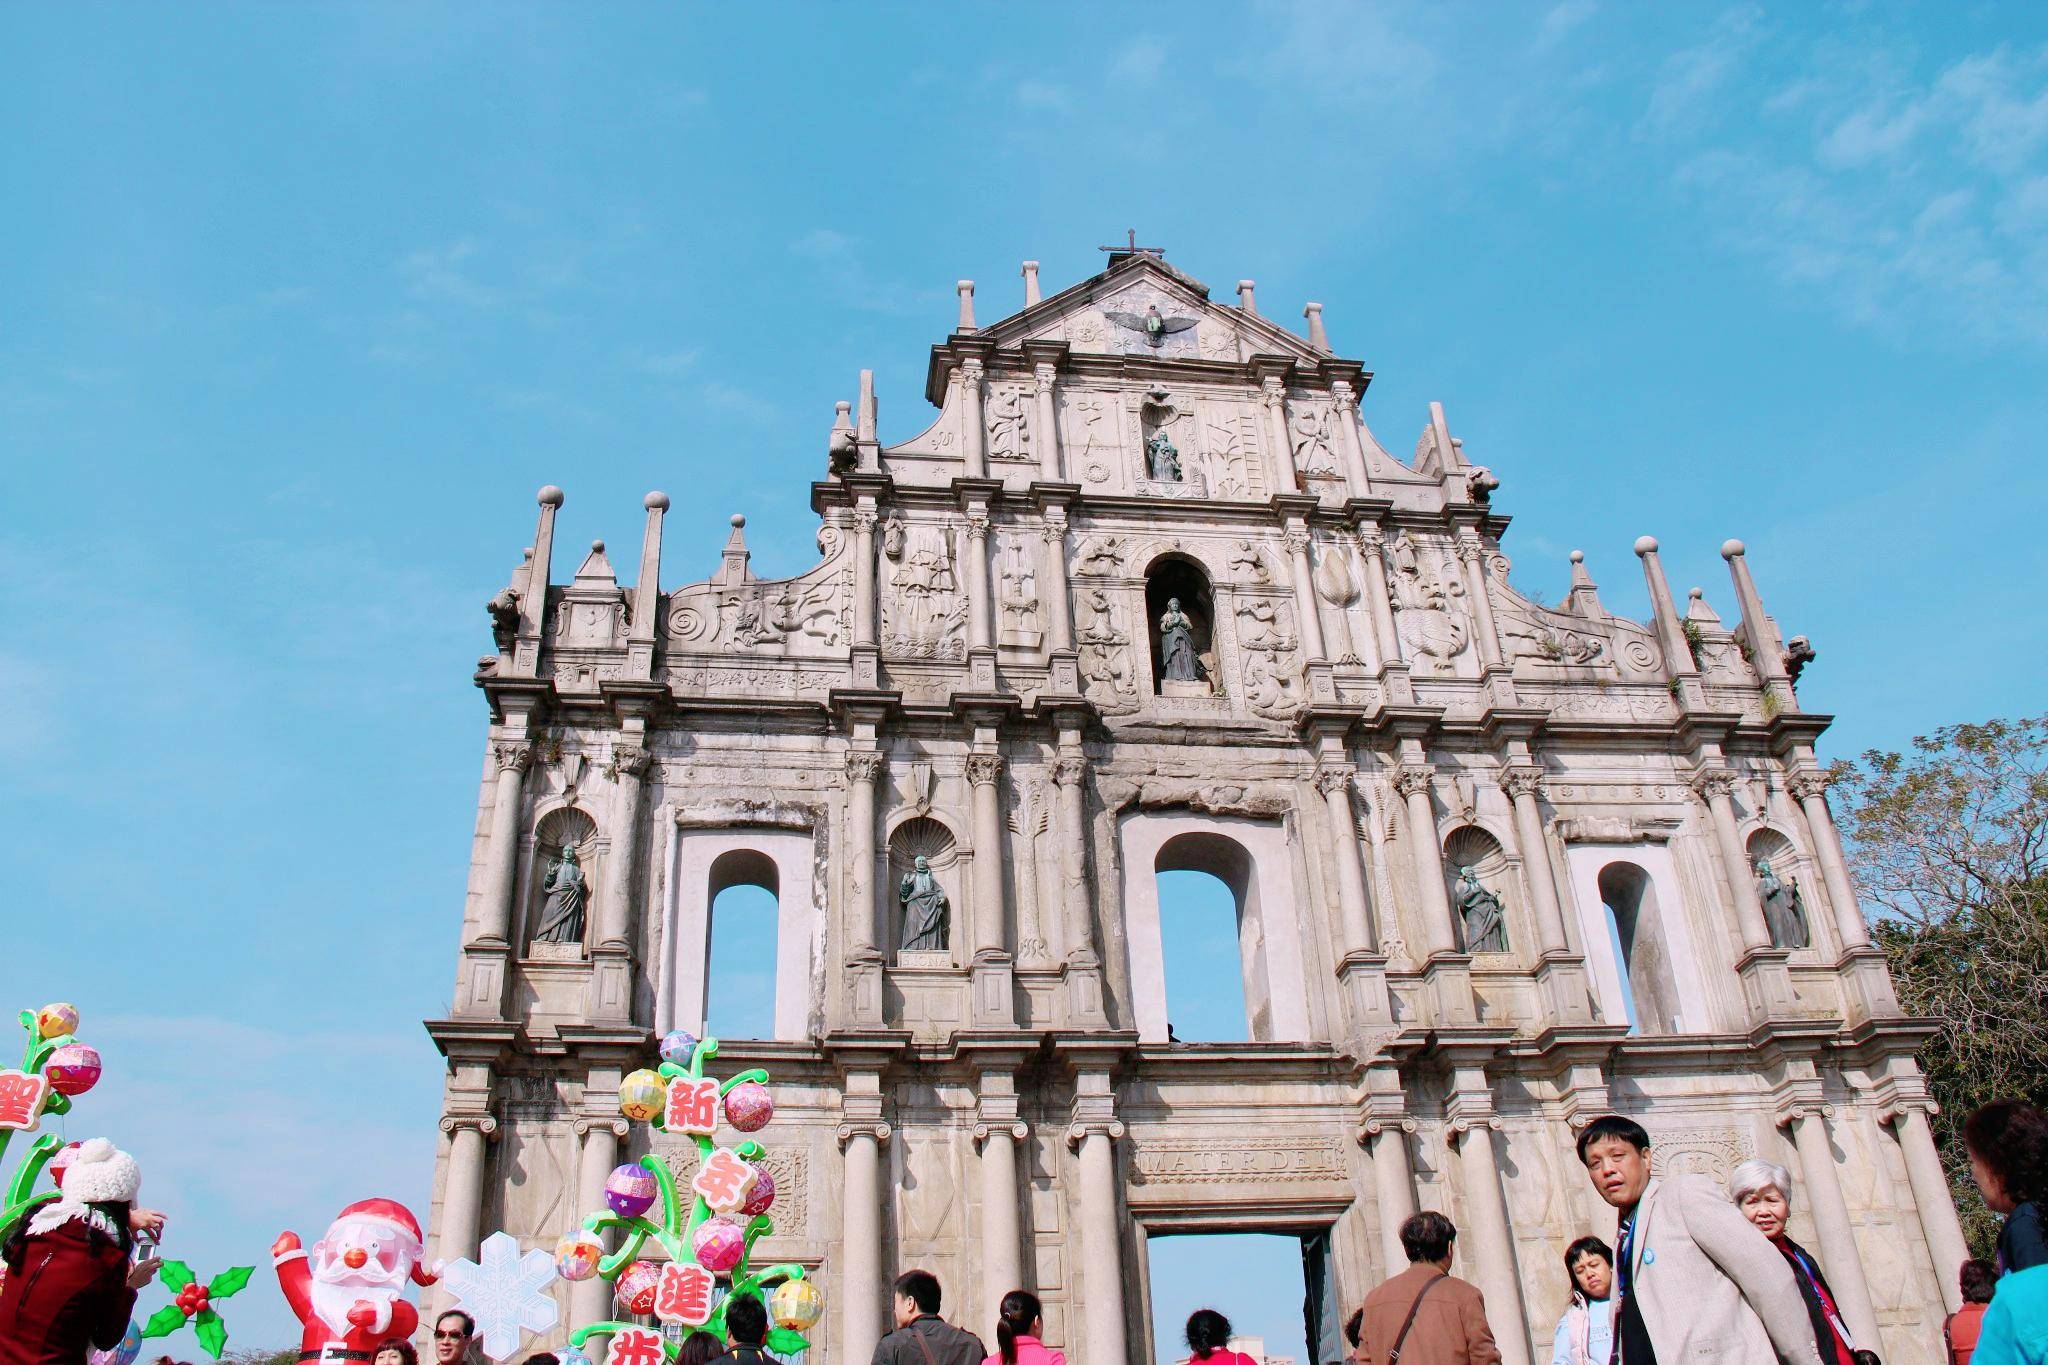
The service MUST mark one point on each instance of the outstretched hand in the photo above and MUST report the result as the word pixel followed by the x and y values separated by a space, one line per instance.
pixel 142 1272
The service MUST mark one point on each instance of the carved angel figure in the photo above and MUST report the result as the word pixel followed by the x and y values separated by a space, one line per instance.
pixel 1150 324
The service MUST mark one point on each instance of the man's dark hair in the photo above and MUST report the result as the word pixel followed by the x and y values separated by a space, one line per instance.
pixel 468 1322
pixel 1427 1236
pixel 1354 1327
pixel 543 1358
pixel 921 1287
pixel 1979 1279
pixel 746 1320
pixel 2011 1138
pixel 1614 1126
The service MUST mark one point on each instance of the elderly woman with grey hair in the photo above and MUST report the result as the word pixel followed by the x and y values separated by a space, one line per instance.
pixel 1763 1191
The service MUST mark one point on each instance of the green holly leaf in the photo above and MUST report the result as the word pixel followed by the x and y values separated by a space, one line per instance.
pixel 787 1341
pixel 176 1275
pixel 211 1331
pixel 229 1281
pixel 164 1321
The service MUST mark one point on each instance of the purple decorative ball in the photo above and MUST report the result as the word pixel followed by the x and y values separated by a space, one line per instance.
pixel 749 1106
pixel 719 1244
pixel 762 1195
pixel 631 1191
pixel 678 1046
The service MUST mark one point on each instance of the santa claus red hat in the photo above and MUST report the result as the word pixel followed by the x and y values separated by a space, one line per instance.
pixel 396 1218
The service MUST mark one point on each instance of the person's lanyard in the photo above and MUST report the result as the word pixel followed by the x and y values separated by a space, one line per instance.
pixel 1827 1303
pixel 1624 1274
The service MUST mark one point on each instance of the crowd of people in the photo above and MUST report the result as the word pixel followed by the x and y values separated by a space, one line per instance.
pixel 1696 1272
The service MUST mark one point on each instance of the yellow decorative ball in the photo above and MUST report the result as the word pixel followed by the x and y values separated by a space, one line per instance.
pixel 797 1305
pixel 642 1095
pixel 57 1020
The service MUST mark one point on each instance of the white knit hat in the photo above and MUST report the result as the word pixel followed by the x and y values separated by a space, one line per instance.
pixel 101 1173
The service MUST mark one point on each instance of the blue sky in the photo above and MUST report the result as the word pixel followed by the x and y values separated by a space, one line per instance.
pixel 300 304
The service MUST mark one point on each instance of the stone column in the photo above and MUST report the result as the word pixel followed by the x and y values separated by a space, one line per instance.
pixel 981 631
pixel 1296 537
pixel 1386 639
pixel 1058 604
pixel 494 925
pixel 462 1193
pixel 863 960
pixel 1273 394
pixel 860 1240
pixel 1522 785
pixel 1002 1239
pixel 864 519
pixel 1472 555
pixel 1047 424
pixel 993 1004
pixel 1102 1270
pixel 973 432
pixel 1393 1180
pixel 1489 1241
pixel 1840 1260
pixel 1415 783
pixel 590 1300
pixel 1810 790
pixel 1714 786
pixel 630 764
pixel 1335 785
pixel 1938 1221
pixel 1345 402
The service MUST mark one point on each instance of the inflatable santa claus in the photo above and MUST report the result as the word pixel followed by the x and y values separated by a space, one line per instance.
pixel 347 1291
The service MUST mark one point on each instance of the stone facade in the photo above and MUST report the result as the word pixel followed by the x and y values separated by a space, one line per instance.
pixel 974 674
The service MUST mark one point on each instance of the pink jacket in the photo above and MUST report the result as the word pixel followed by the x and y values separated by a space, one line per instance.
pixel 1031 1351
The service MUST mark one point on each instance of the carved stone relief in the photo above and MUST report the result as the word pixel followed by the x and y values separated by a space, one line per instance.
pixel 1009 425
pixel 1273 684
pixel 1017 594
pixel 1107 671
pixel 1427 602
pixel 1209 1161
pixel 924 613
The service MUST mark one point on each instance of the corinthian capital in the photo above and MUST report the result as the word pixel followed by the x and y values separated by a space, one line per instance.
pixel 863 765
pixel 1809 783
pixel 1329 779
pixel 1068 772
pixel 512 755
pixel 984 769
pixel 1710 784
pixel 970 371
pixel 1413 778
pixel 864 519
pixel 630 760
pixel 977 526
pixel 1296 540
pixel 1521 780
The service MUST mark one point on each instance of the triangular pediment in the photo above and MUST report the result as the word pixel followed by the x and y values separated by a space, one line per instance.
pixel 1142 306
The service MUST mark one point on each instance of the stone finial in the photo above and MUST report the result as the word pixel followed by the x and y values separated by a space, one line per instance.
pixel 655 502
pixel 1317 337
pixel 1732 549
pixel 733 562
pixel 1646 546
pixel 647 587
pixel 1245 299
pixel 1696 608
pixel 1030 283
pixel 1584 598
pixel 966 288
pixel 549 496
pixel 868 408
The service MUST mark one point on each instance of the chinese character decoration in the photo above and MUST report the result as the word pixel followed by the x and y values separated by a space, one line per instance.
pixel 55 1068
pixel 193 1302
pixel 705 1229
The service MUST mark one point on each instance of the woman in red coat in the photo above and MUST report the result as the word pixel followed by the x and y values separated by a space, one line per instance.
pixel 69 1286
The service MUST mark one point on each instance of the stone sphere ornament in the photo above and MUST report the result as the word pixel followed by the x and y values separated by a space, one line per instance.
pixel 56 1020
pixel 749 1106
pixel 73 1068
pixel 637 1286
pixel 642 1095
pixel 762 1195
pixel 719 1244
pixel 797 1305
pixel 631 1191
pixel 678 1046
pixel 577 1255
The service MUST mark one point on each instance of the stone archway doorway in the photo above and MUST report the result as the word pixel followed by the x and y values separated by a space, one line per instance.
pixel 1276 1284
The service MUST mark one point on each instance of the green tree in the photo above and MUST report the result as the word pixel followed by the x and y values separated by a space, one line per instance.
pixel 1950 843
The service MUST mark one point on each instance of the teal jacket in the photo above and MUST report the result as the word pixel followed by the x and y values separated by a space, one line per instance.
pixel 2016 1324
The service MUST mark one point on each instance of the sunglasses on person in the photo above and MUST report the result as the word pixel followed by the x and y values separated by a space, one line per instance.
pixel 457 1335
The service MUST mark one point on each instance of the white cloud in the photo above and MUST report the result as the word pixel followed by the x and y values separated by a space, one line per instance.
pixel 1690 79
pixel 1140 63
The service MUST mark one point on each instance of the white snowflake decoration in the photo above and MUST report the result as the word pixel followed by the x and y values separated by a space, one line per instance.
pixel 506 1294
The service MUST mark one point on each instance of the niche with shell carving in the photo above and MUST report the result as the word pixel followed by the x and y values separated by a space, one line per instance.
pixel 922 836
pixel 1474 848
pixel 559 830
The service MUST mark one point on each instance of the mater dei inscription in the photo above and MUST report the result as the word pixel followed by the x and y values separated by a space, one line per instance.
pixel 1147 594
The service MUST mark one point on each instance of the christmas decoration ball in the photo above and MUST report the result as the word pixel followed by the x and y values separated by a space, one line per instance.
pixel 642 1095
pixel 797 1305
pixel 678 1046
pixel 762 1195
pixel 630 1190
pixel 56 1020
pixel 749 1106
pixel 577 1255
pixel 719 1244
pixel 123 1354
pixel 61 1161
pixel 636 1288
pixel 73 1068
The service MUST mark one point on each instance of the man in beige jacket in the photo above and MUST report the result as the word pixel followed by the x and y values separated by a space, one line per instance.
pixel 1697 1283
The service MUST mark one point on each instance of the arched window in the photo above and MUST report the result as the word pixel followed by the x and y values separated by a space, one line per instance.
pixel 1185 645
pixel 1214 952
pixel 1641 951
pixel 739 995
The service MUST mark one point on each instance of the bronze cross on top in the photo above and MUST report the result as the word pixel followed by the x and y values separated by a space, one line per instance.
pixel 1131 246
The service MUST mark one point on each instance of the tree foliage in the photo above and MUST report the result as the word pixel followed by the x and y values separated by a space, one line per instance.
pixel 1950 842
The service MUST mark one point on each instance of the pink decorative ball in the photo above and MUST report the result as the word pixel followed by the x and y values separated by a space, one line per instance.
pixel 56 1020
pixel 73 1069
pixel 749 1106
pixel 630 1190
pixel 719 1244
pixel 678 1046
pixel 762 1195
pixel 638 1283
pixel 577 1255
pixel 61 1161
